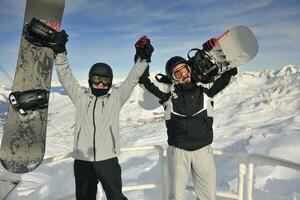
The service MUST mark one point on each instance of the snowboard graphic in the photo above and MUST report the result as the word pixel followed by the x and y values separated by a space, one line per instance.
pixel 233 48
pixel 23 141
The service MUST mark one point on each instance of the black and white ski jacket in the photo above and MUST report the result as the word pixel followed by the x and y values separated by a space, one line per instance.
pixel 189 111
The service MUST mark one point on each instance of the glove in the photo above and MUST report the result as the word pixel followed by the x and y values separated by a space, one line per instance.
pixel 165 97
pixel 209 44
pixel 163 78
pixel 144 49
pixel 144 76
pixel 232 72
pixel 59 42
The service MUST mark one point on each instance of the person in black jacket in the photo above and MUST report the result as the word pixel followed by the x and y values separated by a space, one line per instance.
pixel 188 115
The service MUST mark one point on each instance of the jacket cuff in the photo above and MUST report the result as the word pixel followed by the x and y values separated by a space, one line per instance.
pixel 61 58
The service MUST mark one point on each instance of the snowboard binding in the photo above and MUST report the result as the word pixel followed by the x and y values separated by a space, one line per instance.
pixel 39 34
pixel 205 68
pixel 29 100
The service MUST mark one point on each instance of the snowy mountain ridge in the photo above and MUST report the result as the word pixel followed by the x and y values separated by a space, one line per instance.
pixel 284 71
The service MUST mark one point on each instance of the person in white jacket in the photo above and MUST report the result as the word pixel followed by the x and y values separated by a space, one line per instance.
pixel 96 135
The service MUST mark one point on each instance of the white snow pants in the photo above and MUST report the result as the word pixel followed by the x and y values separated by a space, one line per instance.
pixel 202 166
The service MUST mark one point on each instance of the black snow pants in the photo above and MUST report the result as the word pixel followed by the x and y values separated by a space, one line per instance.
pixel 87 174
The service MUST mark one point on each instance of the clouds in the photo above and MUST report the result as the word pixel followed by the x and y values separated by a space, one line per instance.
pixel 107 30
pixel 178 18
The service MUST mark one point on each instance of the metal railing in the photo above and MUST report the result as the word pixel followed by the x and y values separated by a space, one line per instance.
pixel 161 185
pixel 9 186
pixel 264 160
pixel 241 173
pixel 245 167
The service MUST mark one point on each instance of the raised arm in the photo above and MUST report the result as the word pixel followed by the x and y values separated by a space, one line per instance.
pixel 221 83
pixel 124 91
pixel 151 87
pixel 66 78
pixel 142 58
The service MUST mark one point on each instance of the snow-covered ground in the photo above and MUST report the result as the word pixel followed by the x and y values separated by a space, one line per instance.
pixel 258 113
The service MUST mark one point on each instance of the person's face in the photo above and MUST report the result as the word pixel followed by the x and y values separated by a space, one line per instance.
pixel 100 82
pixel 181 73
pixel 99 86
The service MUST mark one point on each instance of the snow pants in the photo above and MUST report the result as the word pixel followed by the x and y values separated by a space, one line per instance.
pixel 202 167
pixel 87 174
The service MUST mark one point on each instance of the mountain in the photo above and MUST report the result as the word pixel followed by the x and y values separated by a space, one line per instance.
pixel 257 113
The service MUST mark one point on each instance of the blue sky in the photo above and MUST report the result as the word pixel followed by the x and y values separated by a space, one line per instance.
pixel 105 31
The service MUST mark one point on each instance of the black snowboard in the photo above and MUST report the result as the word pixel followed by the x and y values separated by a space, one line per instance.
pixel 23 141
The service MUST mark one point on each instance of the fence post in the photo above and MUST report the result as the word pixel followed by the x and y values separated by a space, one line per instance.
pixel 162 173
pixel 265 160
pixel 242 172
pixel 249 181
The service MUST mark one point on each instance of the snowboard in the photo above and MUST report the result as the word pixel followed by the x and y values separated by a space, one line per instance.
pixel 146 99
pixel 24 136
pixel 233 48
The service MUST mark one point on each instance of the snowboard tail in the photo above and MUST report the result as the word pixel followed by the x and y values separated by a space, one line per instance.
pixel 24 137
pixel 233 48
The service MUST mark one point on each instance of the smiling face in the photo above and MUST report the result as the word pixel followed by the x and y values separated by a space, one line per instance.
pixel 181 73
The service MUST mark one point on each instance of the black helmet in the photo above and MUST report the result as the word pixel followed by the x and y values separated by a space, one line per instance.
pixel 100 69
pixel 171 63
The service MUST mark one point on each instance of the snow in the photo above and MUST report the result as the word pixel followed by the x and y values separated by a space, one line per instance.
pixel 257 113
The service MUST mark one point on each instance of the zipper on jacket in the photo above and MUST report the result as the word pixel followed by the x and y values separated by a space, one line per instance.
pixel 94 136
pixel 193 102
pixel 113 140
pixel 89 104
pixel 102 106
pixel 78 133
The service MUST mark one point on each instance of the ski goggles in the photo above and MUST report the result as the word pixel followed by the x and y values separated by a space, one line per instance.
pixel 101 79
pixel 182 72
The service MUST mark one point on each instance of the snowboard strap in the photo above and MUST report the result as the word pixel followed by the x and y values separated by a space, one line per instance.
pixel 29 100
pixel 39 33
pixel 204 68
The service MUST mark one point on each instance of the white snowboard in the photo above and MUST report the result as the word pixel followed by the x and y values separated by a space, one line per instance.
pixel 147 100
pixel 235 47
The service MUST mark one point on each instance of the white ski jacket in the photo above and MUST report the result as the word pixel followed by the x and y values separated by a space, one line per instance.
pixel 96 134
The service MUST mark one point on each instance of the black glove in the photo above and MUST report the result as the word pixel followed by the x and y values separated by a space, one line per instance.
pixel 165 97
pixel 144 76
pixel 59 42
pixel 144 49
pixel 232 72
pixel 209 44
pixel 163 78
